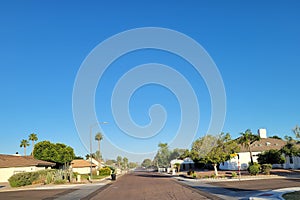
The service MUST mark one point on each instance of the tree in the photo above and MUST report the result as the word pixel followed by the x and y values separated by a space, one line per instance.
pixel 98 138
pixel 58 153
pixel 247 139
pixel 119 161
pixel 202 146
pixel 276 137
pixel 162 158
pixel 125 163
pixel 271 157
pixel 24 143
pixel 132 165
pixel 32 137
pixel 110 162
pixel 146 163
pixel 177 153
pixel 296 131
pixel 224 150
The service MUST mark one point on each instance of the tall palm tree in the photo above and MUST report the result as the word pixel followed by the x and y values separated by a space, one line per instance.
pixel 98 138
pixel 247 139
pixel 24 143
pixel 32 137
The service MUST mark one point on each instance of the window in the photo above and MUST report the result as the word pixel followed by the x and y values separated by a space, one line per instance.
pixel 291 160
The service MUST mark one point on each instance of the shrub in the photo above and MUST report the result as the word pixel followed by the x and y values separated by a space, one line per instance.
pixel 233 174
pixel 190 172
pixel 60 181
pixel 105 171
pixel 194 175
pixel 113 170
pixel 266 168
pixel 254 169
pixel 22 179
pixel 213 176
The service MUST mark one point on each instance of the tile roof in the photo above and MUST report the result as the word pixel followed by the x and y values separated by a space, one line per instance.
pixel 81 163
pixel 265 144
pixel 22 161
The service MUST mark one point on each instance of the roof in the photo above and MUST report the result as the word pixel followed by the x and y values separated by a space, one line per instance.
pixel 7 161
pixel 81 163
pixel 265 144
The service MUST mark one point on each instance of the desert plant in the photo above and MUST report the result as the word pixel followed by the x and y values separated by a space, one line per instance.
pixel 233 174
pixel 266 168
pixel 213 176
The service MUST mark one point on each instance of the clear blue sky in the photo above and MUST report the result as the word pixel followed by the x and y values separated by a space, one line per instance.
pixel 255 45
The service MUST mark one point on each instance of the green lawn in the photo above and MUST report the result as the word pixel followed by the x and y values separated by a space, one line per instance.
pixel 85 176
pixel 292 196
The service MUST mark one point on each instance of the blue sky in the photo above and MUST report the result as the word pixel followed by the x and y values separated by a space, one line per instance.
pixel 255 45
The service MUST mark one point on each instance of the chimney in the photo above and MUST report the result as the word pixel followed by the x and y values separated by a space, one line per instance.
pixel 262 132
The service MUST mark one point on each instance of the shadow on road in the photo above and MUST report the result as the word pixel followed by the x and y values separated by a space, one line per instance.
pixel 151 175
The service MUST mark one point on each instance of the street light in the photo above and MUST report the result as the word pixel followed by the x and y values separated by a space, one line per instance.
pixel 91 127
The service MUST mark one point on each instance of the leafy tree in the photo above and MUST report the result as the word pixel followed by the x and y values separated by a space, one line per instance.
pixel 125 163
pixel 98 138
pixel 202 146
pixel 222 151
pixel 58 153
pixel 271 157
pixel 276 137
pixel 24 143
pixel 177 153
pixel 296 131
pixel 146 163
pixel 119 161
pixel 78 157
pixel 162 158
pixel 32 137
pixel 110 162
pixel 132 165
pixel 247 139
pixel 290 149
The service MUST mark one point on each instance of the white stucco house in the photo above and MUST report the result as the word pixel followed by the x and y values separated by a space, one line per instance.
pixel 13 164
pixel 82 166
pixel 265 144
pixel 185 164
pixel 98 164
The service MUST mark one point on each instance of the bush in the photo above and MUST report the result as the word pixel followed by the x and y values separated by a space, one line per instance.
pixel 213 176
pixel 190 172
pixel 22 179
pixel 233 174
pixel 266 168
pixel 60 181
pixel 194 175
pixel 254 169
pixel 105 171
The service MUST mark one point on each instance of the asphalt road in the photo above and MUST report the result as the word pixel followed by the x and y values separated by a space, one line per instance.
pixel 149 185
pixel 143 185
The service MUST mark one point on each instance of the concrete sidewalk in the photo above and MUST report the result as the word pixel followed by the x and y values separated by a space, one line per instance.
pixel 274 194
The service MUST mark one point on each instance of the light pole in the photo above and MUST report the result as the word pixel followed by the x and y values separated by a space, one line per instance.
pixel 91 158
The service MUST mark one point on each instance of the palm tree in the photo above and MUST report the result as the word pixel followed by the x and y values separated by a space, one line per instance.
pixel 247 139
pixel 98 138
pixel 24 143
pixel 32 137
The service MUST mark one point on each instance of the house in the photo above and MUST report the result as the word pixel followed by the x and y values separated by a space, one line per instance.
pixel 12 164
pixel 82 166
pixel 98 164
pixel 243 157
pixel 185 164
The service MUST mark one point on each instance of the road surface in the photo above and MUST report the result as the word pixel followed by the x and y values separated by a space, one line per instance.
pixel 149 186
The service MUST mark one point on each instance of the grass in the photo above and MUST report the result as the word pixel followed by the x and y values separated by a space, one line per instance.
pixel 292 196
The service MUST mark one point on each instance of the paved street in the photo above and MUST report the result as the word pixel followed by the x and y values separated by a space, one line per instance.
pixel 233 190
pixel 149 186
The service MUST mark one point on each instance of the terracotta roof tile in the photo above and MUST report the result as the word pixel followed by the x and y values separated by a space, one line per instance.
pixel 81 163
